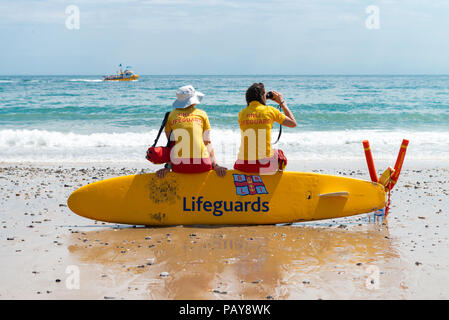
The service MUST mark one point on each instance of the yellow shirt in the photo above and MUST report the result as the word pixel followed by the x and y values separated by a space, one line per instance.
pixel 256 122
pixel 188 126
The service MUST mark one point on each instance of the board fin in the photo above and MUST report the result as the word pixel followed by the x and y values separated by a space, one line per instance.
pixel 334 200
pixel 340 194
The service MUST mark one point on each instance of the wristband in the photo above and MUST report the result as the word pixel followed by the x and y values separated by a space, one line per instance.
pixel 167 165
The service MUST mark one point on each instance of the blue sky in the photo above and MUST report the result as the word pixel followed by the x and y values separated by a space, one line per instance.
pixel 225 37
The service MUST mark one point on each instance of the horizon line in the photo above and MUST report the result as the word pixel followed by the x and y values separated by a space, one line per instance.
pixel 250 74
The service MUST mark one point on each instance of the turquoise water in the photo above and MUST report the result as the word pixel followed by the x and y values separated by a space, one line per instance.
pixel 82 118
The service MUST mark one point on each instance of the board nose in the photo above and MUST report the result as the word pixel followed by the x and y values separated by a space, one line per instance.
pixel 75 202
pixel 71 201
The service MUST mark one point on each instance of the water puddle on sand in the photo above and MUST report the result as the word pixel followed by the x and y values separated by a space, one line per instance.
pixel 245 262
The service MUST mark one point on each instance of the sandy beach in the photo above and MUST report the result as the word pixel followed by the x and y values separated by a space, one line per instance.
pixel 48 252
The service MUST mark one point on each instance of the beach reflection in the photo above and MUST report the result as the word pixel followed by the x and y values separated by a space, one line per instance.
pixel 247 262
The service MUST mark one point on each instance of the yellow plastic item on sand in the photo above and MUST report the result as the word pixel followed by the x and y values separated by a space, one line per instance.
pixel 385 178
pixel 237 198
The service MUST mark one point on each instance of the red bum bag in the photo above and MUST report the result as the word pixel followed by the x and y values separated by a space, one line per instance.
pixel 255 167
pixel 159 155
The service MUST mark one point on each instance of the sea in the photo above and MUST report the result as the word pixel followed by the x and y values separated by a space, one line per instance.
pixel 85 119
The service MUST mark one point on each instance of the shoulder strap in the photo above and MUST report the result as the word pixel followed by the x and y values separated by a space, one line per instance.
pixel 280 129
pixel 279 136
pixel 164 122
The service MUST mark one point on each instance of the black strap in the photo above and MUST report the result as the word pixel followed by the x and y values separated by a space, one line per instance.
pixel 280 129
pixel 162 128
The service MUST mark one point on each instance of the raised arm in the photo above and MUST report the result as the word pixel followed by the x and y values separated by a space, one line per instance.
pixel 289 118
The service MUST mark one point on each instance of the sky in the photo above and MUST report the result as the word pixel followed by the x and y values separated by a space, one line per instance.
pixel 163 37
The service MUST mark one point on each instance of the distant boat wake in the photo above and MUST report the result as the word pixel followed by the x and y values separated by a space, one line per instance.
pixel 85 80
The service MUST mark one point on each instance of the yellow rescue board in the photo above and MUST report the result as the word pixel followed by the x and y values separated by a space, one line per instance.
pixel 235 199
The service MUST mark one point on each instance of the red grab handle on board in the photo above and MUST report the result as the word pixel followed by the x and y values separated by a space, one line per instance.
pixel 370 161
pixel 399 162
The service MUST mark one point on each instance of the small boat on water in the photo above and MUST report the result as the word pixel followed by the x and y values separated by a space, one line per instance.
pixel 126 75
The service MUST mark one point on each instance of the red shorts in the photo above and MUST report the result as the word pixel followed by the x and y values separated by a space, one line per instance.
pixel 277 162
pixel 192 166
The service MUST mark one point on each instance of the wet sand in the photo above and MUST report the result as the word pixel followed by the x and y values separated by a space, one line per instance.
pixel 44 245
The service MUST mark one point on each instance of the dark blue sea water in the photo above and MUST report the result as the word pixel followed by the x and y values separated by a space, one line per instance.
pixel 82 118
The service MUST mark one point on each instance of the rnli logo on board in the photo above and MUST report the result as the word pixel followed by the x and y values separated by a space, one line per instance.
pixel 245 185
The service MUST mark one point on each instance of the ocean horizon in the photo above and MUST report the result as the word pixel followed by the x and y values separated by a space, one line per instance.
pixel 237 75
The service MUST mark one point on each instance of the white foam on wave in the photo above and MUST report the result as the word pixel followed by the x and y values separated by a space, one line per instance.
pixel 54 139
pixel 347 144
pixel 43 145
